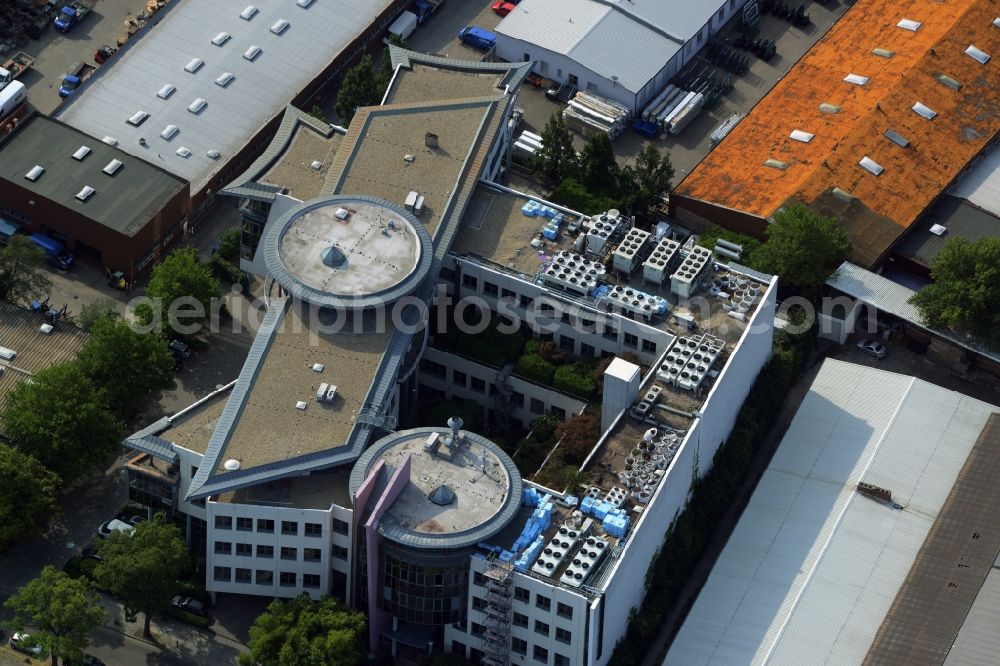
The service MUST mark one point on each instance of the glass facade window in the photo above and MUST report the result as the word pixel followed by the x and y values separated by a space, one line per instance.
pixel 522 594
pixel 564 610
pixel 540 654
pixel 339 552
pixel 289 553
pixel 541 628
pixel 431 591
pixel 223 523
pixel 265 577
pixel 563 636
pixel 312 554
pixel 244 524
pixel 520 620
pixel 649 346
pixel 243 575
pixel 265 526
pixel 287 579
pixel 244 549
pixel 223 574
pixel 265 551
pixel 290 528
pixel 560 660
pixel 631 340
pixel 310 580
pixel 313 530
pixel 490 289
pixel 518 645
pixel 223 547
pixel 543 602
pixel 340 527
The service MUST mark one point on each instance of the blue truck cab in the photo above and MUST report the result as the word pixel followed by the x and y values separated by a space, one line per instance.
pixel 55 251
pixel 477 38
pixel 69 85
pixel 423 10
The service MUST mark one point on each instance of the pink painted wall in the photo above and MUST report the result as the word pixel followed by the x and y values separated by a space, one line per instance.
pixel 378 618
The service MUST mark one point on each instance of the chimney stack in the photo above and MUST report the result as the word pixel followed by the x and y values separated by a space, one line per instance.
pixel 431 140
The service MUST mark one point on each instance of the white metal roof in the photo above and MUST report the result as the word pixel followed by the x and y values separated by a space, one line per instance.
pixel 233 114
pixel 980 185
pixel 628 39
pixel 813 566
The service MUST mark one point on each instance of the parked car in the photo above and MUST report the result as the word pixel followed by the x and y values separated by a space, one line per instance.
pixel 113 525
pixel 179 348
pixel 502 8
pixel 872 348
pixel 23 643
pixel 90 554
pixel 189 605
pixel 561 92
pixel 135 520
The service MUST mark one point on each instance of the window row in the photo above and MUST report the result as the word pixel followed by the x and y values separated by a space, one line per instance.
pixel 264 577
pixel 265 526
pixel 538 652
pixel 287 553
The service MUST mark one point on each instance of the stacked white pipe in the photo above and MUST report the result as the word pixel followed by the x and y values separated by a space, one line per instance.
pixel 588 113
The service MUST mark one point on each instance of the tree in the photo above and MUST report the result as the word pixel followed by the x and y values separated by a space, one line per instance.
pixel 142 568
pixel 182 286
pixel 21 275
pixel 106 309
pixel 599 170
pixel 61 611
pixel 965 294
pixel 125 364
pixel 300 631
pixel 59 417
pixel 28 495
pixel 230 239
pixel 557 159
pixel 803 248
pixel 385 70
pixel 359 88
pixel 648 181
pixel 575 196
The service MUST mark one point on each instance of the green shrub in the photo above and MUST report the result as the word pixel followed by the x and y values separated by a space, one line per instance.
pixel 543 428
pixel 576 379
pixel 87 567
pixel 535 368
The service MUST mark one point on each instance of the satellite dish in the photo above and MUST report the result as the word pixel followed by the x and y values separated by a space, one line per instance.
pixel 231 465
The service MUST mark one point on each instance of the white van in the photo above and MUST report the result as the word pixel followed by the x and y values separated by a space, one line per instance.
pixel 114 525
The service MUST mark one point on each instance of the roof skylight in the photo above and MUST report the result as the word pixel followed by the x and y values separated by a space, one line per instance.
pixel 112 167
pixel 304 4
pixel 35 173
pixel 252 53
pixel 871 165
pixel 897 138
pixel 197 105
pixel 183 152
pixel 166 91
pixel 110 140
pixel 924 110
pixel 221 38
pixel 799 135
pixel 856 79
pixel 85 193
pixel 81 152
pixel 169 132
pixel 138 118
pixel 194 65
pixel 978 55
pixel 225 79
pixel 909 24
pixel 280 26
pixel 248 13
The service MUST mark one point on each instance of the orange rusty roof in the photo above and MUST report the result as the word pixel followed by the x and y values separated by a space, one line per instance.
pixel 734 174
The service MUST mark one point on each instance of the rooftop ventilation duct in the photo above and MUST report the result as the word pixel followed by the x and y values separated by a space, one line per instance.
pixel 35 173
pixel 112 167
pixel 826 107
pixel 978 55
pixel 431 140
pixel 924 111
pixel 871 165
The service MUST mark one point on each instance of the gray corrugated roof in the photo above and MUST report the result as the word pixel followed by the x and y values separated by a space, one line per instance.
pixel 630 39
pixel 812 567
pixel 981 183
pixel 124 202
pixel 891 297
pixel 234 114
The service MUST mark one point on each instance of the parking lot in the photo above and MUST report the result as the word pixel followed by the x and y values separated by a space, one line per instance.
pixel 55 51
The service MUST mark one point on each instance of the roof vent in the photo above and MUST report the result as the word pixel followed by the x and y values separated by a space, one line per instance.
pixel 318 367
pixel 304 4
pixel 221 38
pixel 976 54
pixel 924 110
pixel 252 53
pixel 874 491
pixel 896 138
pixel 937 230
pixel 826 107
pixel 35 173
pixel 871 165
pixel 85 193
pixel 799 135
pixel 46 329
pixel 301 405
pixel 883 53
pixel 169 132
pixel 213 154
pixel 112 167
pixel 166 91
pixel 225 79
pixel 442 495
pixel 279 26
pixel 248 13
pixel 138 118
pixel 856 79
pixel 946 80
pixel 231 465
pixel 776 164
pixel 110 140
pixel 316 165
pixel 183 152
pixel 197 105
pixel 81 152
pixel 194 65
pixel 908 24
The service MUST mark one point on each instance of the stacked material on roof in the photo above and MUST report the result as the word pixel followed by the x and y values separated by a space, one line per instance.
pixel 590 114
